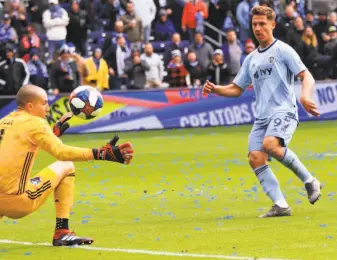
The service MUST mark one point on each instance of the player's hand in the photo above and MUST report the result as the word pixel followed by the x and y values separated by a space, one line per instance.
pixel 61 125
pixel 110 152
pixel 310 106
pixel 208 88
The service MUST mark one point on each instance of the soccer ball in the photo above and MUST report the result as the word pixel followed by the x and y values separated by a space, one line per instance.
pixel 86 102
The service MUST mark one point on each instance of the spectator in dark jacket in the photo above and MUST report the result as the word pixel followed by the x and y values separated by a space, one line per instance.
pixel 136 69
pixel 77 29
pixel 294 36
pixel 310 50
pixel 105 14
pixel 174 45
pixel 310 19
pixel 196 72
pixel 164 28
pixel 115 57
pixel 64 75
pixel 319 29
pixel 218 71
pixel 285 24
pixel 37 70
pixel 17 11
pixel 111 39
pixel 35 10
pixel 331 45
pixel 13 72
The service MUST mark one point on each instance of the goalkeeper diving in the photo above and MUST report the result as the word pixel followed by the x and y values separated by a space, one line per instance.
pixel 22 134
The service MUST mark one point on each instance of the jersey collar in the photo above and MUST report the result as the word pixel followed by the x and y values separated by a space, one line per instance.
pixel 266 49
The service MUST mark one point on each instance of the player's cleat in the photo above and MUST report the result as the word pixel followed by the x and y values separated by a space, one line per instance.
pixel 64 237
pixel 313 190
pixel 277 211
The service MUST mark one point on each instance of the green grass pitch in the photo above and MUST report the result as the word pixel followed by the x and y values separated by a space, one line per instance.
pixel 189 191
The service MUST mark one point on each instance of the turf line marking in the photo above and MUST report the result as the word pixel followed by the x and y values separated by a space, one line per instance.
pixel 141 251
pixel 323 155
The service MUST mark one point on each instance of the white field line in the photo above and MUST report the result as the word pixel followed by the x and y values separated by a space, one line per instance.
pixel 324 154
pixel 144 252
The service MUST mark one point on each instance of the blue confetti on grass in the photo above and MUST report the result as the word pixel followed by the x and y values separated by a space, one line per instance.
pixel 197 229
pixel 323 225
pixel 28 253
pixel 85 221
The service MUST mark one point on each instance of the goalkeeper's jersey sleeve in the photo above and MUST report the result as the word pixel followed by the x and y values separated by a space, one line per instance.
pixel 21 136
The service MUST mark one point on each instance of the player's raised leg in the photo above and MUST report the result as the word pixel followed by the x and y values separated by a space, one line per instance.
pixel 258 161
pixel 278 136
pixel 63 198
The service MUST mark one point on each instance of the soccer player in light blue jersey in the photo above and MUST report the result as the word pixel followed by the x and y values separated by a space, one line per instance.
pixel 271 70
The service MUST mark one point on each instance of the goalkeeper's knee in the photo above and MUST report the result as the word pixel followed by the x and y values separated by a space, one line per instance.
pixel 63 169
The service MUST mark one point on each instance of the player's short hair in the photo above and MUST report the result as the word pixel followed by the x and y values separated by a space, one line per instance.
pixel 264 10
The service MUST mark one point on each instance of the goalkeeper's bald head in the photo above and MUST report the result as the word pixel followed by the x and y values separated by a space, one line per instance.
pixel 27 94
pixel 33 99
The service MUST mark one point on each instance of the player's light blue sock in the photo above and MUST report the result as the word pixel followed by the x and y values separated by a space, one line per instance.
pixel 270 185
pixel 291 161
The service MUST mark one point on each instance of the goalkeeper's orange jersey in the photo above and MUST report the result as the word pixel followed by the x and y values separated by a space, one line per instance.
pixel 21 136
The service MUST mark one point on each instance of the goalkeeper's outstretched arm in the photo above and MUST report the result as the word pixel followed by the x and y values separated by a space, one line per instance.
pixel 231 90
pixel 43 136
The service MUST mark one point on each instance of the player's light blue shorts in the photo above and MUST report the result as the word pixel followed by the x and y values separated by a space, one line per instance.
pixel 282 125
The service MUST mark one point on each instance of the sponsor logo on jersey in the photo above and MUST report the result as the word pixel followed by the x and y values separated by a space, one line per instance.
pixel 262 72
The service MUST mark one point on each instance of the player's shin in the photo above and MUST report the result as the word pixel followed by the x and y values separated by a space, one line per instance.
pixel 270 185
pixel 63 197
pixel 291 161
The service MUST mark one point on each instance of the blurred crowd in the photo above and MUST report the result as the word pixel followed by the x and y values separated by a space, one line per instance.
pixel 122 44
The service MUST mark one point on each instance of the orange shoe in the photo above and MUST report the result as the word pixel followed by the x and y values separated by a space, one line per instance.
pixel 64 237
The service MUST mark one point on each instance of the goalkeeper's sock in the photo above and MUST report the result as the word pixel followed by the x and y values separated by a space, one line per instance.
pixel 291 161
pixel 62 223
pixel 270 185
pixel 64 196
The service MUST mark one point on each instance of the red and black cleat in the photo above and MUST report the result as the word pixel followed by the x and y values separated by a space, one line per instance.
pixel 64 237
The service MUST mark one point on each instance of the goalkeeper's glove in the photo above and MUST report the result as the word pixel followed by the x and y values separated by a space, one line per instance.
pixel 61 125
pixel 110 152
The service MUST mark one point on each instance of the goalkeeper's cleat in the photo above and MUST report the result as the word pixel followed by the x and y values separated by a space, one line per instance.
pixel 277 211
pixel 313 190
pixel 64 237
